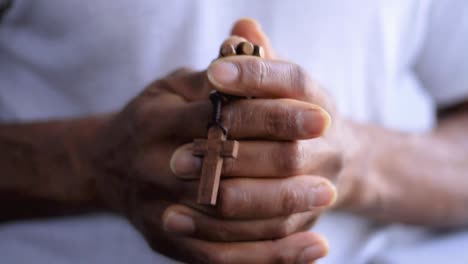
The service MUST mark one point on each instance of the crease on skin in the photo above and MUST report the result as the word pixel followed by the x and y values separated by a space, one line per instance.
pixel 264 71
pixel 301 121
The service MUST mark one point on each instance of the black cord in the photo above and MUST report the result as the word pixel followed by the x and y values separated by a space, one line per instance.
pixel 217 99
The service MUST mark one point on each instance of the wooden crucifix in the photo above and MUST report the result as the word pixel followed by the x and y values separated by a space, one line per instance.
pixel 216 147
pixel 213 150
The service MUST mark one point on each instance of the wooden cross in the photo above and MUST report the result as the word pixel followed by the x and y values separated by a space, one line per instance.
pixel 216 147
pixel 214 150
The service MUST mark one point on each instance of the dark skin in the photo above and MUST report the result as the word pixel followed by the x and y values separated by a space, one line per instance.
pixel 138 163
pixel 121 162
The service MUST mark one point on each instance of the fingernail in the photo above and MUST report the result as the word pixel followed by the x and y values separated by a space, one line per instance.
pixel 315 122
pixel 221 73
pixel 184 165
pixel 179 224
pixel 311 254
pixel 324 194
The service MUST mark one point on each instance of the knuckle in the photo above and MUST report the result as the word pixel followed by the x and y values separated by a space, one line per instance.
pixel 256 72
pixel 138 114
pixel 286 227
pixel 142 109
pixel 142 115
pixel 291 198
pixel 290 158
pixel 156 88
pixel 299 80
pixel 280 121
pixel 232 200
pixel 223 207
pixel 223 233
pixel 335 165
pixel 233 117
pixel 330 162
pixel 181 72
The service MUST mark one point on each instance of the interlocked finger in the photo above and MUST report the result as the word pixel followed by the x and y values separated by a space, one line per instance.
pixel 185 221
pixel 304 247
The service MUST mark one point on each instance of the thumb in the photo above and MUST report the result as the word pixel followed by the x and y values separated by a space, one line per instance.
pixel 251 30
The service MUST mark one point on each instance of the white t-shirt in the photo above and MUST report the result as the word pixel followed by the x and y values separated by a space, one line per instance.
pixel 385 62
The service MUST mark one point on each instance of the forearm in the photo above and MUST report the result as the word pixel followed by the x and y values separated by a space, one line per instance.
pixel 42 168
pixel 411 178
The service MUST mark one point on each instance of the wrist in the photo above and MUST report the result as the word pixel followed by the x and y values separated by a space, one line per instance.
pixel 83 139
pixel 105 162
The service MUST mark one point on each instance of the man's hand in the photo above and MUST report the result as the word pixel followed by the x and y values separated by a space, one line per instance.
pixel 261 209
pixel 379 173
pixel 127 162
pixel 277 186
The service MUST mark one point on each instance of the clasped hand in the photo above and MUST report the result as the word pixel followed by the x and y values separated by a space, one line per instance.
pixel 269 197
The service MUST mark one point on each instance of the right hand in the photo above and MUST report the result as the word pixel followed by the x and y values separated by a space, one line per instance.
pixel 255 221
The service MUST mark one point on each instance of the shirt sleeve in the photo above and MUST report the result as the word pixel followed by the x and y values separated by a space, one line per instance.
pixel 442 65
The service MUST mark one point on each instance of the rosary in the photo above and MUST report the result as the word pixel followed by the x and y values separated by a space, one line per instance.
pixel 216 147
